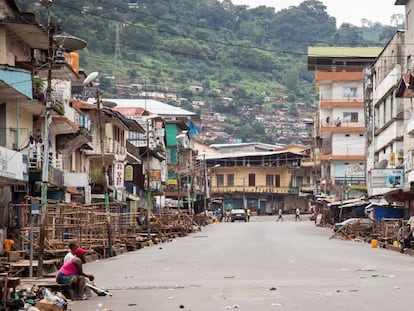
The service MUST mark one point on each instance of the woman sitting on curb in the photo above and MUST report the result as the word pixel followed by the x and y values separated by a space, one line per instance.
pixel 71 273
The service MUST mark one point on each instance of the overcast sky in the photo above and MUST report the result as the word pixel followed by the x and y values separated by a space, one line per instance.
pixel 348 11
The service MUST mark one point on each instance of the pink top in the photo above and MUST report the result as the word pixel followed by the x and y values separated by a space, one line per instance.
pixel 68 268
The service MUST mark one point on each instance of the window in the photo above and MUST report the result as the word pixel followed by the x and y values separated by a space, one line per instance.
pixel 252 180
pixel 350 117
pixel 230 179
pixel 220 180
pixel 269 180
pixel 277 180
pixel 349 91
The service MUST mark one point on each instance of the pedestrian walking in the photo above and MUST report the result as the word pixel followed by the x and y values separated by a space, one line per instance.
pixel 227 215
pixel 248 212
pixel 280 212
pixel 297 214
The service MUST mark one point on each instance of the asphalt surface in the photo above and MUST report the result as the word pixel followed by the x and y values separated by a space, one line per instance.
pixel 260 265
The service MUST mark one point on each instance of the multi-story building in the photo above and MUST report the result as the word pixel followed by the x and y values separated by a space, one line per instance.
pixel 263 181
pixel 340 140
pixel 169 131
pixel 403 191
pixel 385 115
pixel 21 37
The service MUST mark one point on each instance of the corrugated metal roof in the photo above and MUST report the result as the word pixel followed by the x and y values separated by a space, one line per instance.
pixel 153 106
pixel 344 51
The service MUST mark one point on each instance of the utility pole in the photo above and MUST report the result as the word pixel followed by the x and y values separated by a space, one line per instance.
pixel 148 182
pixel 45 168
pixel 244 193
pixel 206 186
pixel 104 181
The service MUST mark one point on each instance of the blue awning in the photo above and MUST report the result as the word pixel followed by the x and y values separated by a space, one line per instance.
pixel 15 83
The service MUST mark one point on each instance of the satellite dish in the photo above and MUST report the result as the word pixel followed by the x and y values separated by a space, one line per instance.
pixel 383 164
pixel 92 76
pixel 68 42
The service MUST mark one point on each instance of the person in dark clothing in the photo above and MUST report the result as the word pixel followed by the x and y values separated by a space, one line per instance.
pixel 409 238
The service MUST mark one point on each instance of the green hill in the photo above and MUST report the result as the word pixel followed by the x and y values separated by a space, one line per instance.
pixel 249 55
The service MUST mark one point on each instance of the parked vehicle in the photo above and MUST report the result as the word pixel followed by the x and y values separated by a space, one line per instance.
pixel 365 223
pixel 238 214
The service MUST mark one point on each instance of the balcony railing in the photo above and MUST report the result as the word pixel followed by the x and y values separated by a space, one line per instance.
pixel 331 125
pixel 250 189
pixel 110 147
pixel 307 188
pixel 344 100
pixel 309 163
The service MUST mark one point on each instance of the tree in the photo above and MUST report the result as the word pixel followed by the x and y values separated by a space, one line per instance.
pixel 132 74
pixel 291 79
pixel 348 35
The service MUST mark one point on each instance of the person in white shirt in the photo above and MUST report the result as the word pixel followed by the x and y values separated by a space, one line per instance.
pixel 72 246
pixel 297 216
pixel 280 215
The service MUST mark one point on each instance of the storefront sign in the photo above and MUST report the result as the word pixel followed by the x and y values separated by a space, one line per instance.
pixel 129 173
pixel 387 178
pixel 155 175
pixel 119 175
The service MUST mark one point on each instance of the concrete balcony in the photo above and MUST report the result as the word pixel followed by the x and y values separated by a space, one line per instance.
pixel 338 76
pixel 307 188
pixel 345 127
pixel 330 103
pixel 76 179
pixel 110 146
pixel 307 163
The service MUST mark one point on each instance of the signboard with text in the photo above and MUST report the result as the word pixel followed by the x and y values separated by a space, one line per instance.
pixel 119 175
pixel 387 178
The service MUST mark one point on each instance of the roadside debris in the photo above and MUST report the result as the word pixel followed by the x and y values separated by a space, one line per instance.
pixel 35 298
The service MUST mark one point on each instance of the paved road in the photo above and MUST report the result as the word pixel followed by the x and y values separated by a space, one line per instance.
pixel 261 265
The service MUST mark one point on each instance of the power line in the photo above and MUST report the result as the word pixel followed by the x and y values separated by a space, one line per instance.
pixel 186 36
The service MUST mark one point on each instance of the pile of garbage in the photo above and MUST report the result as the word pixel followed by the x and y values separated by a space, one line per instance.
pixel 35 299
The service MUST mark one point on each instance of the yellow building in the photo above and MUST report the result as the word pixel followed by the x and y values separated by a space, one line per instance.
pixel 261 181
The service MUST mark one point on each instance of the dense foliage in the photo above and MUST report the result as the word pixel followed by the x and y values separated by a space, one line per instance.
pixel 247 53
